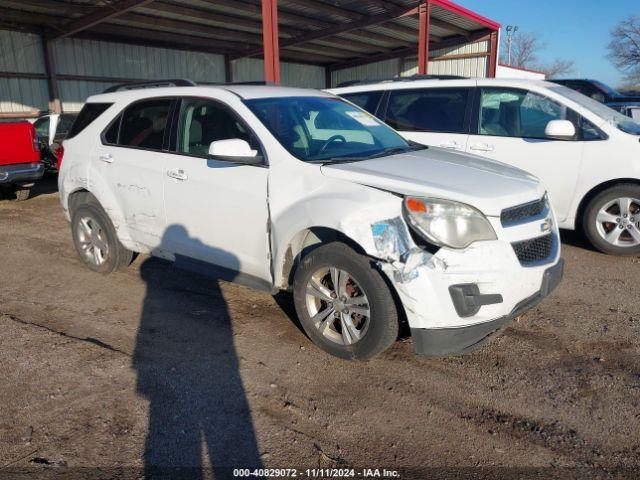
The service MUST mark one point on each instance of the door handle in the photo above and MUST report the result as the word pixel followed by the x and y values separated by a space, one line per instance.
pixel 107 158
pixel 451 145
pixel 177 174
pixel 481 147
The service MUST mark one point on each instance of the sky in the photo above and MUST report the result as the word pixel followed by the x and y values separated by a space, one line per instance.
pixel 573 29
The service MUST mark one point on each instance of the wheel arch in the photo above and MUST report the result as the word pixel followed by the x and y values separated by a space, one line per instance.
pixel 310 238
pixel 110 207
pixel 75 198
pixel 596 190
pixel 305 241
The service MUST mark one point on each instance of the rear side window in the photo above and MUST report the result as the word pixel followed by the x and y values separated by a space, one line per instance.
pixel 87 115
pixel 64 124
pixel 368 101
pixel 111 135
pixel 144 123
pixel 428 110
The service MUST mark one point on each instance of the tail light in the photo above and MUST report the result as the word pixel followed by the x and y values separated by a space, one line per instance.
pixel 35 140
pixel 59 153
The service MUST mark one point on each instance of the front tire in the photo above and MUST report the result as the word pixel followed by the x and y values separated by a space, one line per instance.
pixel 344 304
pixel 611 220
pixel 96 241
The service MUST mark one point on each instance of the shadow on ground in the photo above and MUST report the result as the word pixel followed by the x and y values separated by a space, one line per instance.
pixel 188 369
pixel 577 239
pixel 46 185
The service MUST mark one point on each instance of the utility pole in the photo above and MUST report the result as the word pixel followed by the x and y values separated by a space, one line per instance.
pixel 511 30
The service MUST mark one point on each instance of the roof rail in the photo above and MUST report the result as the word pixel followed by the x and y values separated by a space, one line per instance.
pixel 178 82
pixel 410 78
pixel 249 82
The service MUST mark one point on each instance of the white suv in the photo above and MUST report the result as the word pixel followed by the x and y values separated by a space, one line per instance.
pixel 586 154
pixel 296 189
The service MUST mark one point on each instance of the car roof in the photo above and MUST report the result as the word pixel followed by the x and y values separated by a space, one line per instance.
pixel 433 83
pixel 245 92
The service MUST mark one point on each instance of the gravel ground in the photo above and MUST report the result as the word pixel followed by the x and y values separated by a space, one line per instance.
pixel 154 367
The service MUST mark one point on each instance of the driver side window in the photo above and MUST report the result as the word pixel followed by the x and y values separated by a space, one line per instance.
pixel 516 113
pixel 203 121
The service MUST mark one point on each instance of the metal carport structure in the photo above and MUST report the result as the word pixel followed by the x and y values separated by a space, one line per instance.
pixel 331 34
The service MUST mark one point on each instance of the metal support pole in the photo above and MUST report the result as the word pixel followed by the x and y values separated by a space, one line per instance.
pixel 493 54
pixel 424 14
pixel 327 77
pixel 50 71
pixel 228 69
pixel 270 41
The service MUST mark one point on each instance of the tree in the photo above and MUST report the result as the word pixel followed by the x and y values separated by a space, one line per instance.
pixel 525 49
pixel 559 68
pixel 624 48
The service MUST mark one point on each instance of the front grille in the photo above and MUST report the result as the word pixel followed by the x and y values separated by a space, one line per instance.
pixel 524 213
pixel 535 251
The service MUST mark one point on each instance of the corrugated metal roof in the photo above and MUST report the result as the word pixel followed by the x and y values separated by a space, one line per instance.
pixel 455 19
pixel 219 19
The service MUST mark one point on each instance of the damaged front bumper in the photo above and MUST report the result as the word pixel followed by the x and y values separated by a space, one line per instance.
pixel 455 299
pixel 457 341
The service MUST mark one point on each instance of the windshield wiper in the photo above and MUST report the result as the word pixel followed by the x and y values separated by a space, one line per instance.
pixel 412 147
pixel 396 150
pixel 331 161
pixel 417 146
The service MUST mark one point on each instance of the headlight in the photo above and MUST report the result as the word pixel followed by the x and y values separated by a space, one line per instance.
pixel 447 223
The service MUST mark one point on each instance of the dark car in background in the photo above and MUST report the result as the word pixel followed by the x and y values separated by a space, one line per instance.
pixel 628 105
pixel 52 129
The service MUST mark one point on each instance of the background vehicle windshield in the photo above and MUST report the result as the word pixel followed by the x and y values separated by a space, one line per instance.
pixel 618 120
pixel 64 125
pixel 326 129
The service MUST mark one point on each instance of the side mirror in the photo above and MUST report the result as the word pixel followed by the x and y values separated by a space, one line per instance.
pixel 234 150
pixel 560 130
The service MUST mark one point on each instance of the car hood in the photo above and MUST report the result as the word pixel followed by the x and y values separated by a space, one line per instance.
pixel 487 185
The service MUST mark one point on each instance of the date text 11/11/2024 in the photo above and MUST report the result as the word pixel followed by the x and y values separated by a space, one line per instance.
pixel 317 473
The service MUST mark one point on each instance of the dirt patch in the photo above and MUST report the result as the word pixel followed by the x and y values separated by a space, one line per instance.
pixel 153 367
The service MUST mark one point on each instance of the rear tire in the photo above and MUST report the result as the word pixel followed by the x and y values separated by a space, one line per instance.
pixel 96 241
pixel 358 320
pixel 607 212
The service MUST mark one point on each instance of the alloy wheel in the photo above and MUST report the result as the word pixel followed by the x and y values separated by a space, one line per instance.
pixel 618 222
pixel 337 306
pixel 92 240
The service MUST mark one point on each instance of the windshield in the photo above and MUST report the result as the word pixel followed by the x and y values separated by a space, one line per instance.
pixel 618 120
pixel 326 129
pixel 64 125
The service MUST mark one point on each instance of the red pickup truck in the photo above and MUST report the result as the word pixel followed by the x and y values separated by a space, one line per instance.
pixel 20 164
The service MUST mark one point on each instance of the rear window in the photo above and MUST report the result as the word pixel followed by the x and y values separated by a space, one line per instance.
pixel 87 115
pixel 366 100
